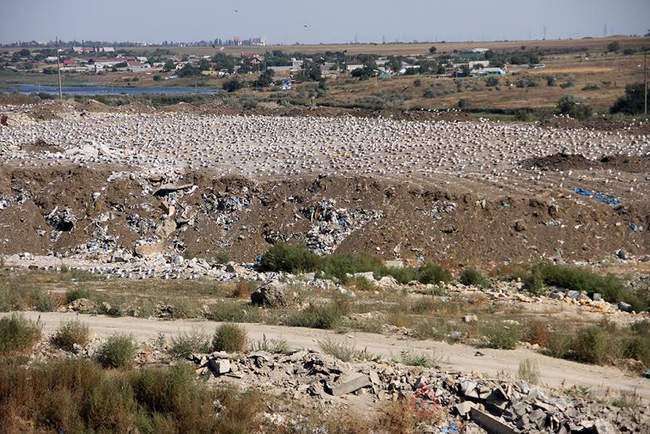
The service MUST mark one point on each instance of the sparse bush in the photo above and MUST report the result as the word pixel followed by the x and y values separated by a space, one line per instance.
pixel 243 289
pixel 559 345
pixel 232 312
pixel 567 84
pixel 575 107
pixel 610 287
pixel 69 334
pixel 344 351
pixel 340 266
pixel 471 276
pixel 534 283
pixel 230 338
pixel 18 334
pixel 538 333
pixel 76 293
pixel 273 346
pixel 409 358
pixel 240 411
pixel 325 316
pixel 406 415
pixel 232 85
pixel 591 345
pixel 433 273
pixel 529 371
pixel 360 283
pixel 187 343
pixel 78 396
pixel 551 81
pixel 117 352
pixel 503 336
pixel 632 102
pixel 613 47
pixel 290 259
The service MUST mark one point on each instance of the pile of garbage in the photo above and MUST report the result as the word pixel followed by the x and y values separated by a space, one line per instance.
pixel 330 226
pixel 224 209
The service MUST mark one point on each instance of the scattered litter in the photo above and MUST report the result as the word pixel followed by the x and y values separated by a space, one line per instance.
pixel 599 196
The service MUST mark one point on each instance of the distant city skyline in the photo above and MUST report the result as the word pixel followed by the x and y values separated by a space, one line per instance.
pixel 335 21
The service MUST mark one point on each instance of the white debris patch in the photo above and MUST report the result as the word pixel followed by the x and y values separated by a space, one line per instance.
pixel 258 146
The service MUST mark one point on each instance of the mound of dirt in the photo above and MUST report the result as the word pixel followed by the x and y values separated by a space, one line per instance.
pixel 564 162
pixel 92 212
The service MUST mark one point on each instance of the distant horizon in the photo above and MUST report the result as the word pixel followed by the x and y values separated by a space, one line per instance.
pixel 271 43
pixel 290 22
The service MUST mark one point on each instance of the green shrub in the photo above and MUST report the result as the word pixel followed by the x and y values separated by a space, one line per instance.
pixel 325 316
pixel 18 334
pixel 534 283
pixel 290 259
pixel 632 102
pixel 69 334
pixel 403 275
pixel 360 283
pixel 76 293
pixel 233 312
pixel 340 266
pixel 591 345
pixel 503 336
pixel 78 396
pixel 575 107
pixel 471 276
pixel 559 345
pixel 415 359
pixel 610 287
pixel 273 346
pixel 230 338
pixel 187 343
pixel 433 273
pixel 117 352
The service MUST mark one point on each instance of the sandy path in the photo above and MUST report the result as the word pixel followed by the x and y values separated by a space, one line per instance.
pixel 554 372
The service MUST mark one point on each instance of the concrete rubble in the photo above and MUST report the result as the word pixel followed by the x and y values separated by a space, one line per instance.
pixel 499 406
pixel 330 226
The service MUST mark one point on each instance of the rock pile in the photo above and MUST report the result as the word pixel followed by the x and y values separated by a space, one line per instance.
pixel 500 406
pixel 330 226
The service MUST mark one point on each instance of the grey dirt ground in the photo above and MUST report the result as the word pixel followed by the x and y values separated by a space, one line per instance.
pixel 463 358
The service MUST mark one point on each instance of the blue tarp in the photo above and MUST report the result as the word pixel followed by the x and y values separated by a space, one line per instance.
pixel 599 196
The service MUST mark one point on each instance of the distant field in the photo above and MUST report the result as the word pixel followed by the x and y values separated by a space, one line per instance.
pixel 421 48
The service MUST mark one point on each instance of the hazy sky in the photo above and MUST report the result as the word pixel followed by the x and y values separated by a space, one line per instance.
pixel 283 21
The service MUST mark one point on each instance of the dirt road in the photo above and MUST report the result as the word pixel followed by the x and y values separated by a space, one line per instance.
pixel 554 372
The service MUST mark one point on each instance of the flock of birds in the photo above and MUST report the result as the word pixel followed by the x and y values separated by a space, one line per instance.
pixel 265 146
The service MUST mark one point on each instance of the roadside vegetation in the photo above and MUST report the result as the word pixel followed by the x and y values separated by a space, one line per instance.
pixel 18 334
pixel 299 259
pixel 71 334
pixel 80 396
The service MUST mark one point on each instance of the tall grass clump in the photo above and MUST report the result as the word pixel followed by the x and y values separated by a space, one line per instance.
pixel 230 338
pixel 117 351
pixel 326 316
pixel 473 277
pixel 18 334
pixel 187 343
pixel 288 258
pixel 69 334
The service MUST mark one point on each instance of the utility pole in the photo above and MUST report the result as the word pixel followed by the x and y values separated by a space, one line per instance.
pixel 58 67
pixel 645 84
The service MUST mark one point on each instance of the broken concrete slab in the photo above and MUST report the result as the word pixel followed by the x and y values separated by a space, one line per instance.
pixel 490 423
pixel 166 189
pixel 350 384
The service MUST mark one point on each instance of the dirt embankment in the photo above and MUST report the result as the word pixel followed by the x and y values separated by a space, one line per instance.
pixel 564 162
pixel 94 212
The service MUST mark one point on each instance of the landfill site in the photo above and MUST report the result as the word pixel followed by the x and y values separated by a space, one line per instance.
pixel 139 211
